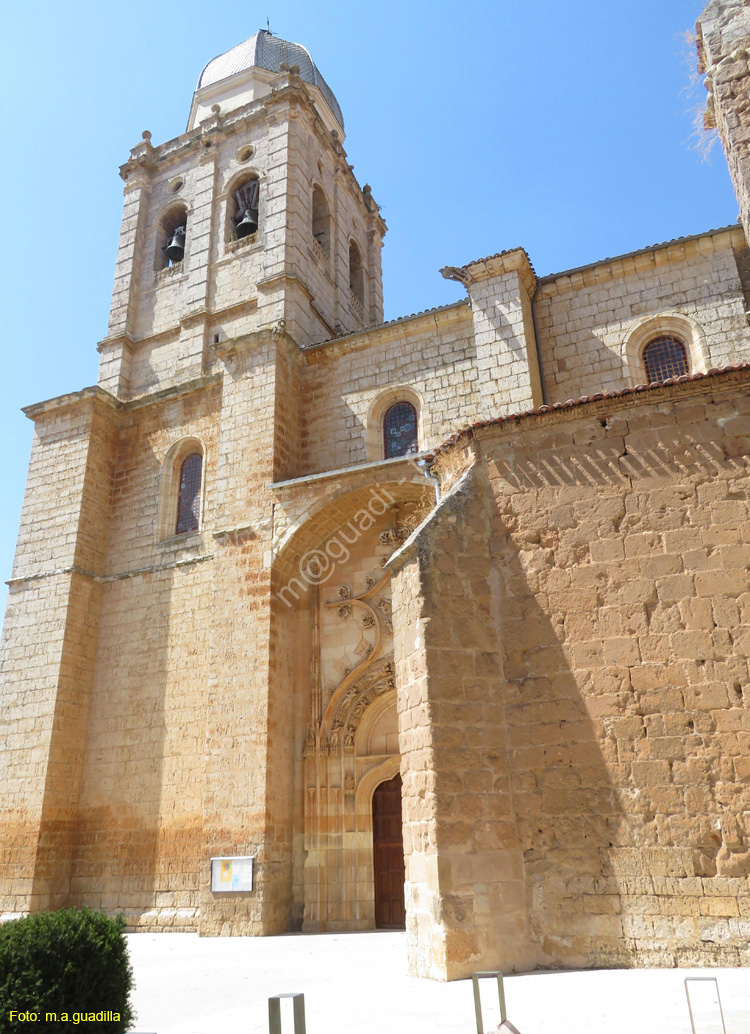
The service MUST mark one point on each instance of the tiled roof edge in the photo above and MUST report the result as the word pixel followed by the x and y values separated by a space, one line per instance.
pixel 549 277
pixel 586 400
pixel 388 323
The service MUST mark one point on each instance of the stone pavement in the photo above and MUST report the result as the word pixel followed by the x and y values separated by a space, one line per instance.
pixel 357 983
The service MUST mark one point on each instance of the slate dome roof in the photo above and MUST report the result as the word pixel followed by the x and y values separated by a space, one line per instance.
pixel 264 50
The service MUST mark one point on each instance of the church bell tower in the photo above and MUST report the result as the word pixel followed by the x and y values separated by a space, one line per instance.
pixel 251 219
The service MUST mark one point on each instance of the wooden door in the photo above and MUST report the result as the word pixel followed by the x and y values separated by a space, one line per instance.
pixel 388 852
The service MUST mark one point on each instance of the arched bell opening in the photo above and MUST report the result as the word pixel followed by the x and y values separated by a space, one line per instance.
pixel 243 208
pixel 171 238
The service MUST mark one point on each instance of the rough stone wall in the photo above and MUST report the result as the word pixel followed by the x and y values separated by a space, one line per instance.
pixel 724 52
pixel 465 895
pixel 619 557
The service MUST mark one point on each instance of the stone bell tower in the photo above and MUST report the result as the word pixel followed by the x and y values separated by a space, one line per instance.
pixel 154 671
pixel 251 219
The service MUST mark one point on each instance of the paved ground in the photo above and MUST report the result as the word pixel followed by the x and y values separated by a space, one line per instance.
pixel 357 983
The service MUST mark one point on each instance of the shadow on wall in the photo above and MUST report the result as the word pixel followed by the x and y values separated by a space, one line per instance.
pixel 622 571
pixel 567 811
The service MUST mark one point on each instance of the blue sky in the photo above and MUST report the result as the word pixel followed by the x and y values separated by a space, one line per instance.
pixel 567 129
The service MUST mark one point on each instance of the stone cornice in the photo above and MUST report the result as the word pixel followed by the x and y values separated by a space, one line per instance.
pixel 369 336
pixel 92 395
pixel 96 395
pixel 83 572
pixel 636 262
pixel 699 384
pixel 513 261
pixel 356 469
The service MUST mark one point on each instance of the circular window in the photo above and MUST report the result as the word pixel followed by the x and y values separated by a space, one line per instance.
pixel 176 184
pixel 245 153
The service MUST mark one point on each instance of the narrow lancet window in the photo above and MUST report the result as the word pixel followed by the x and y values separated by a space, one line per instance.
pixel 188 499
pixel 356 274
pixel 321 220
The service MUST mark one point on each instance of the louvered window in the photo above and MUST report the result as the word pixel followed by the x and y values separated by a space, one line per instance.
pixel 665 357
pixel 400 430
pixel 188 500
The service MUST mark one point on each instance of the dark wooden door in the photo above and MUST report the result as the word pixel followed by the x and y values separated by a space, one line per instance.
pixel 388 851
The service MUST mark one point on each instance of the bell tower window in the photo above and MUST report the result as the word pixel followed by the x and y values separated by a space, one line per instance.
pixel 356 275
pixel 242 209
pixel 400 430
pixel 321 221
pixel 171 237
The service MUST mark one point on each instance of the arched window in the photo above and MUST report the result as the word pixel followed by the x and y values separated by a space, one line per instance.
pixel 242 208
pixel 171 237
pixel 400 430
pixel 189 493
pixel 664 357
pixel 356 274
pixel 321 220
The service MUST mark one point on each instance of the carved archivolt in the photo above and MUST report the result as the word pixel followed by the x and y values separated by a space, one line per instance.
pixel 368 680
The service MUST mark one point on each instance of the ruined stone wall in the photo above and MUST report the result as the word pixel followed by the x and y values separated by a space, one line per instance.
pixel 619 552
pixel 723 32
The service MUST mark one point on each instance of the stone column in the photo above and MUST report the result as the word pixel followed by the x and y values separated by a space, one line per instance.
pixel 465 890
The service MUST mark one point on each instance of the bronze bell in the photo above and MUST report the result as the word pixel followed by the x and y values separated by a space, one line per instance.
pixel 249 223
pixel 176 248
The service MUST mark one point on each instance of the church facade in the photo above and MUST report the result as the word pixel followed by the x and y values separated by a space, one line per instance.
pixel 443 622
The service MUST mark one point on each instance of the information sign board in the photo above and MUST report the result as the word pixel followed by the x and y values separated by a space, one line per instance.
pixel 232 874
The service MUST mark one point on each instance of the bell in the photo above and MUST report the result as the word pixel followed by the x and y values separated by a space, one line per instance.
pixel 176 248
pixel 249 223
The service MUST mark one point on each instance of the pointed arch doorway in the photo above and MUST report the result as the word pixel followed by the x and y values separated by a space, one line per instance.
pixel 388 856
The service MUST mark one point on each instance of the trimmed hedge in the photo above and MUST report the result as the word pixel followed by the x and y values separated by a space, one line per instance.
pixel 72 963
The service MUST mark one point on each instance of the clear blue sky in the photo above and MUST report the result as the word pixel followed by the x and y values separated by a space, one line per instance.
pixel 566 128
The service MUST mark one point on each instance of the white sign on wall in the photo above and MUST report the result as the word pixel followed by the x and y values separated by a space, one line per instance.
pixel 232 874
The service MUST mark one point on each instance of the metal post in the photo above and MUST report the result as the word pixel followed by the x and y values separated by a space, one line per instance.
pixel 478 1002
pixel 274 1013
pixel 718 999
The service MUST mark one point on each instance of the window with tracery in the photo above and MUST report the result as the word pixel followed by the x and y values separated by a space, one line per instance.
pixel 400 430
pixel 665 357
pixel 189 493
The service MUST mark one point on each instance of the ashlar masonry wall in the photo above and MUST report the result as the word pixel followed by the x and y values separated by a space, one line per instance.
pixel 618 544
pixel 587 319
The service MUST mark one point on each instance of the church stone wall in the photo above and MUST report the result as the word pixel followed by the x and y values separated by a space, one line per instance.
pixel 585 318
pixel 433 355
pixel 619 545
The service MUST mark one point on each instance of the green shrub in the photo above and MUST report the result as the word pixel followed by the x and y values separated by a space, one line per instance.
pixel 69 963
